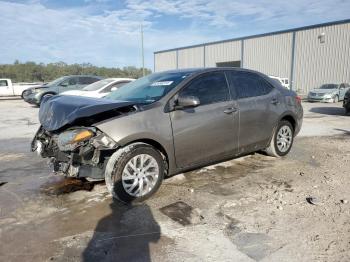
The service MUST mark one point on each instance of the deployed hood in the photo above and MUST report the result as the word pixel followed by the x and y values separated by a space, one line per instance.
pixel 58 111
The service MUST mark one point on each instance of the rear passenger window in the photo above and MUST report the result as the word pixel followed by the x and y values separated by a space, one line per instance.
pixel 114 86
pixel 87 80
pixel 210 88
pixel 248 84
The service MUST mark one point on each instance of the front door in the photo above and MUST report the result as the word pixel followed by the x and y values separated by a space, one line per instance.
pixel 210 130
pixel 5 88
pixel 69 84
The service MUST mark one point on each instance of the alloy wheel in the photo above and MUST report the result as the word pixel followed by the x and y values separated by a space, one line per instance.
pixel 140 175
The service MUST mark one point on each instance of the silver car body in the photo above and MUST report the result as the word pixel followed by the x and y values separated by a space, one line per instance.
pixel 188 138
pixel 206 134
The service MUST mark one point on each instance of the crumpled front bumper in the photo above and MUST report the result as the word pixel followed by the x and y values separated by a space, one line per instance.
pixel 88 159
pixel 32 98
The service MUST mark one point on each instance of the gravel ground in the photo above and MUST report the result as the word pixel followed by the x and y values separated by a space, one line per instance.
pixel 254 208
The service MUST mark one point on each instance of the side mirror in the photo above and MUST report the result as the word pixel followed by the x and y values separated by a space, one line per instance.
pixel 186 102
pixel 114 88
pixel 64 84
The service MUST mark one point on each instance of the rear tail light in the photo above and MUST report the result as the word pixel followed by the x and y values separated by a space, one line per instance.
pixel 298 99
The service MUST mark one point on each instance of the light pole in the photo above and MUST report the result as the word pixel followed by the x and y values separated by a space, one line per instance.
pixel 143 53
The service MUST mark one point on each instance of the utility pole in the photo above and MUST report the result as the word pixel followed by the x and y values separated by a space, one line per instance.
pixel 143 53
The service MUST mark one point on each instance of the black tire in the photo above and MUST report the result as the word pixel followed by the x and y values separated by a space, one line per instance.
pixel 115 167
pixel 273 149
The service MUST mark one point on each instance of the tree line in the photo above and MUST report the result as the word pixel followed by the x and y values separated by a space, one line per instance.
pixel 40 72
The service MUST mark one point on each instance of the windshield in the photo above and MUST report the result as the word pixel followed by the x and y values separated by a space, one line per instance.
pixel 329 86
pixel 97 85
pixel 150 88
pixel 56 81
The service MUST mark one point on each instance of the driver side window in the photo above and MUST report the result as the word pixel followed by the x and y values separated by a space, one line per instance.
pixel 209 88
pixel 3 83
pixel 69 82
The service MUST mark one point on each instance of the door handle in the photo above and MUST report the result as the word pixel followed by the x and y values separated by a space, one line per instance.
pixel 230 110
pixel 275 101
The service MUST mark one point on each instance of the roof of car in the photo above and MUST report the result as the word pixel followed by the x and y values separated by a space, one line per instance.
pixel 83 76
pixel 208 69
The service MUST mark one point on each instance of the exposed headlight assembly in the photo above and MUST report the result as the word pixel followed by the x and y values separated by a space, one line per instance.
pixel 69 140
pixel 102 141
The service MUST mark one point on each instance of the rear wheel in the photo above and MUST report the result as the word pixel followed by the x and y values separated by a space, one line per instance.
pixel 282 140
pixel 135 172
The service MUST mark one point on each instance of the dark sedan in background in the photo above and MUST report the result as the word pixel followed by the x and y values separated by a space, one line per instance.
pixel 65 83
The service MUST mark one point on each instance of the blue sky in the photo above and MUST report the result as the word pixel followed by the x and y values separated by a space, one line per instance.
pixel 107 32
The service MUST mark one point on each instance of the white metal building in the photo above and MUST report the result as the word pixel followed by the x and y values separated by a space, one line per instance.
pixel 308 56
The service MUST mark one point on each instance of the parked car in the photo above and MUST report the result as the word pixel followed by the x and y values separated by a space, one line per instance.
pixel 167 123
pixel 283 80
pixel 346 102
pixel 100 88
pixel 7 88
pixel 328 93
pixel 65 83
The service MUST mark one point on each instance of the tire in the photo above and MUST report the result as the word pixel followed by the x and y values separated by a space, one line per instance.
pixel 336 99
pixel 119 167
pixel 275 148
pixel 45 95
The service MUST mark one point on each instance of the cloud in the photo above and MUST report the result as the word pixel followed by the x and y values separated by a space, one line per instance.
pixel 99 32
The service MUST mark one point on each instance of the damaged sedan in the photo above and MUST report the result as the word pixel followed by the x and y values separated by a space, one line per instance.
pixel 166 123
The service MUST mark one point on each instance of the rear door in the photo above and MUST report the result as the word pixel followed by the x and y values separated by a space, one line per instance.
pixel 210 130
pixel 85 80
pixel 259 106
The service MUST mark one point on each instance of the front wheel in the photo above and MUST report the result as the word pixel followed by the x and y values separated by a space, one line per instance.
pixel 45 96
pixel 282 140
pixel 135 172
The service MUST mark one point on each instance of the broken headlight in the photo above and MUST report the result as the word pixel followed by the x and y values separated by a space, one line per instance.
pixel 68 140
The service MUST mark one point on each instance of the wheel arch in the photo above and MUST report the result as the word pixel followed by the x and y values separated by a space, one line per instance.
pixel 290 118
pixel 47 93
pixel 156 145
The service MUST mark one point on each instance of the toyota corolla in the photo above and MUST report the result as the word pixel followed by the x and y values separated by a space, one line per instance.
pixel 164 124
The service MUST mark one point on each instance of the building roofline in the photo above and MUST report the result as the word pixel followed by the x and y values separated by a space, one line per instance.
pixel 345 21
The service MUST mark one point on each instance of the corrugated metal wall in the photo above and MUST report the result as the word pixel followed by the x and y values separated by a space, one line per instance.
pixel 318 63
pixel 270 55
pixel 165 61
pixel 222 52
pixel 314 63
pixel 191 57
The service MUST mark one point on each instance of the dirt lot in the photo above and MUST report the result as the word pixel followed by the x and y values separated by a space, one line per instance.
pixel 250 209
